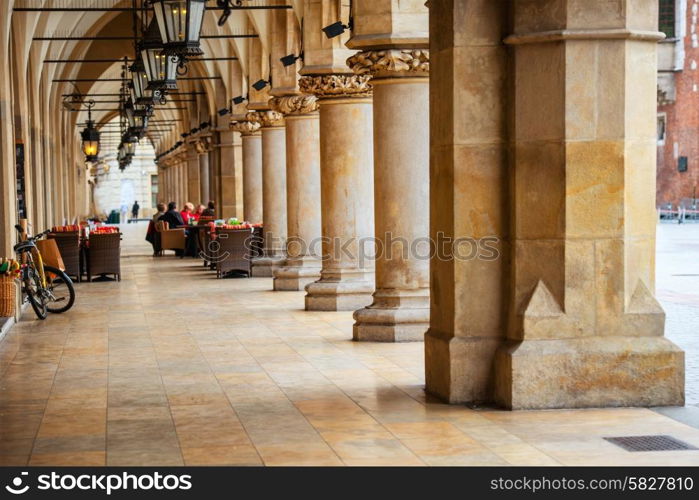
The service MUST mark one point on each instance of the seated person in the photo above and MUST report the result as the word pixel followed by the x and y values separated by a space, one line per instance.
pixel 187 213
pixel 172 216
pixel 198 212
pixel 210 210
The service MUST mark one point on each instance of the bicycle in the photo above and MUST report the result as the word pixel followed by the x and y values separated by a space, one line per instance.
pixel 43 285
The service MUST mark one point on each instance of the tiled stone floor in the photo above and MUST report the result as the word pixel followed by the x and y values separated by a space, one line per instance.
pixel 172 367
pixel 678 291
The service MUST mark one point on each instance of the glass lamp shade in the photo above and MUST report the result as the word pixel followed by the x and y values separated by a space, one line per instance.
pixel 139 83
pixel 130 148
pixel 160 67
pixel 179 22
pixel 90 142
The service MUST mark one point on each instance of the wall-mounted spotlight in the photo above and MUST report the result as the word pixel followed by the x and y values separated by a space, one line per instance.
pixel 204 125
pixel 223 111
pixel 291 59
pixel 194 131
pixel 336 29
pixel 260 84
pixel 184 135
pixel 239 100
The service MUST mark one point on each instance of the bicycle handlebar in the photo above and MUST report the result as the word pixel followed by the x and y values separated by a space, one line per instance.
pixel 32 238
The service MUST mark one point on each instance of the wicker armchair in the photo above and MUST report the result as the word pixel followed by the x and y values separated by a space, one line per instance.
pixel 170 239
pixel 69 246
pixel 257 244
pixel 233 251
pixel 104 255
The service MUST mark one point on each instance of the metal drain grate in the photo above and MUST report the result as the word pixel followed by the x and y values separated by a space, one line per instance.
pixel 649 443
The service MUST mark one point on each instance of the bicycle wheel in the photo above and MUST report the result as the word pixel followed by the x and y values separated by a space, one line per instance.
pixel 61 291
pixel 35 292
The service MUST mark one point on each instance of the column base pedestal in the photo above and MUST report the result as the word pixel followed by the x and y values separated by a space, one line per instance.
pixel 340 291
pixel 263 267
pixel 295 274
pixel 395 316
pixel 589 372
pixel 458 370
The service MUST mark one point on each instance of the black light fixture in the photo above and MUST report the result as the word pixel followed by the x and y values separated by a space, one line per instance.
pixel 90 137
pixel 204 125
pixel 223 111
pixel 137 116
pixel 180 24
pixel 260 84
pixel 226 6
pixel 290 59
pixel 139 83
pixel 336 29
pixel 239 100
pixel 160 68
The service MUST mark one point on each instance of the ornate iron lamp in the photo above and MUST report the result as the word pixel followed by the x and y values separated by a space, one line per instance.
pixel 180 24
pixel 139 83
pixel 160 68
pixel 90 137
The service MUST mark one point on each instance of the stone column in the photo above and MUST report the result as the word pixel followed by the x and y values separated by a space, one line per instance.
pixel 227 181
pixel 552 174
pixel 238 175
pixel 302 265
pixel 347 191
pixel 252 169
pixel 585 329
pixel 204 185
pixel 182 177
pixel 274 191
pixel 193 179
pixel 401 309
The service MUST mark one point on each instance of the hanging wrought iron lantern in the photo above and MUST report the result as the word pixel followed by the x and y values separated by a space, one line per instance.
pixel 160 68
pixel 90 137
pixel 139 83
pixel 137 116
pixel 180 24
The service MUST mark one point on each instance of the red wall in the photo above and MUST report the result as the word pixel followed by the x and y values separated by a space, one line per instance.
pixel 682 128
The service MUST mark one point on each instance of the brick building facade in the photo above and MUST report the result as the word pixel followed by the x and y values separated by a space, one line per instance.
pixel 678 104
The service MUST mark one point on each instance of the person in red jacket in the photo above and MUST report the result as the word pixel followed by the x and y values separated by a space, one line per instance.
pixel 187 213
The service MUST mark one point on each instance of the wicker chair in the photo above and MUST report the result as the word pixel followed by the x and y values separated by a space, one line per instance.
pixel 69 247
pixel 205 239
pixel 234 251
pixel 104 255
pixel 257 242
pixel 170 239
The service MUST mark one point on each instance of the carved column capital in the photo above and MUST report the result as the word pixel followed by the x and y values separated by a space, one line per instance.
pixel 266 119
pixel 245 127
pixel 336 86
pixel 295 104
pixel 391 62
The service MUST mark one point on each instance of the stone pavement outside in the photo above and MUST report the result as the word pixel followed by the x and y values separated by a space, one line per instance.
pixel 677 288
pixel 172 366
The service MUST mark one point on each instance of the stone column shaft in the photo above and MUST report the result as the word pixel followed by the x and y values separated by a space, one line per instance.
pixel 347 197
pixel 303 249
pixel 274 192
pixel 400 311
pixel 193 179
pixel 227 181
pixel 252 173
pixel 204 180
